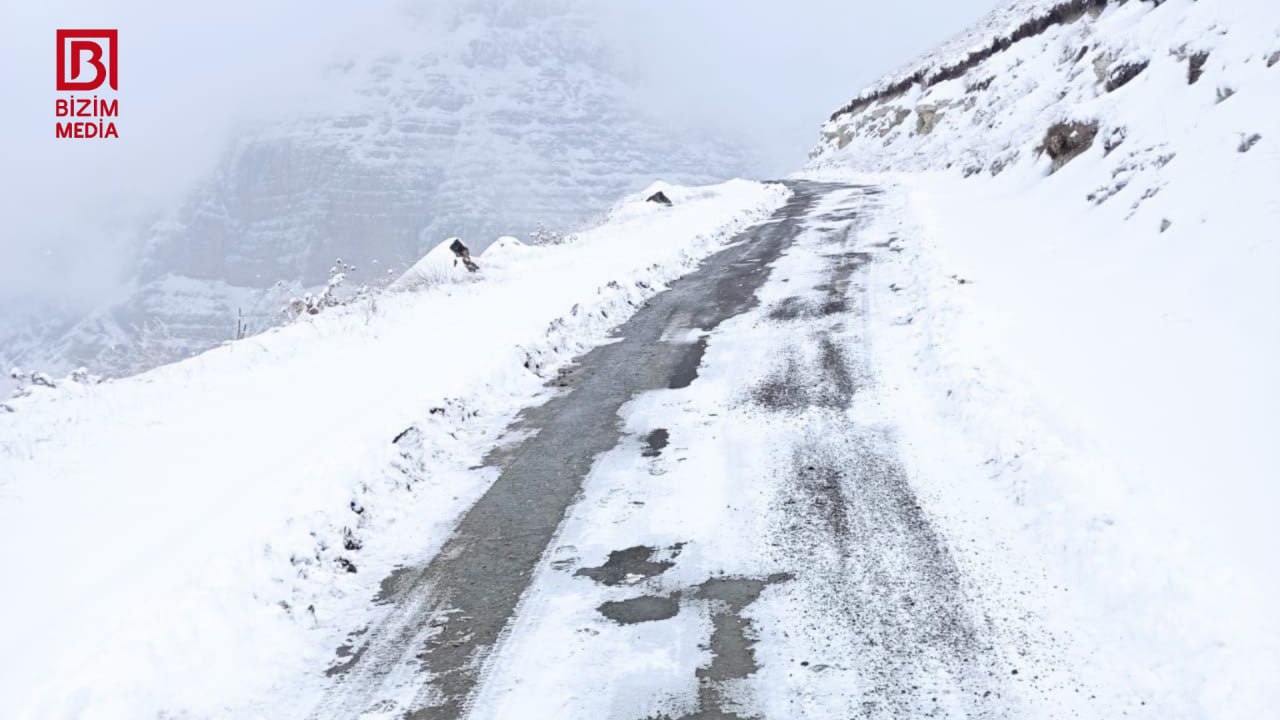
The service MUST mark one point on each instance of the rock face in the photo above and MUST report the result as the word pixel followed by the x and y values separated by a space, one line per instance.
pixel 1041 79
pixel 513 119
pixel 1066 140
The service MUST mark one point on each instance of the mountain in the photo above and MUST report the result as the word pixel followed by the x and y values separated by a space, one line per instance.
pixel 491 118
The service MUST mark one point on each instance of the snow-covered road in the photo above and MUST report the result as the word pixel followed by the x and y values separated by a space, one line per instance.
pixel 698 526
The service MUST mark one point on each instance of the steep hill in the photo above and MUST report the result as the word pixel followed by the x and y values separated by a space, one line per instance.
pixel 1079 321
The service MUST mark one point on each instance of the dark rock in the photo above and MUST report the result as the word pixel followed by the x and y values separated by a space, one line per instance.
pixel 1123 74
pixel 1066 140
pixel 1247 142
pixel 660 198
pixel 1195 66
pixel 464 254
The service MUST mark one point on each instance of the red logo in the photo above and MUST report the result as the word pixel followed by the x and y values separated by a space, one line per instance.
pixel 86 62
pixel 86 59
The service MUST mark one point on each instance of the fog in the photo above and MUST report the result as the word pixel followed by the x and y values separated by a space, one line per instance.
pixel 191 74
pixel 773 72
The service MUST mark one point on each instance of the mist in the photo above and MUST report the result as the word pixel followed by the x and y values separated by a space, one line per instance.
pixel 761 73
pixel 772 72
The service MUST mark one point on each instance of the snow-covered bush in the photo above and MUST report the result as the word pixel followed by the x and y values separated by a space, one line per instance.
pixel 542 235
pixel 504 251
pixel 33 381
pixel 333 294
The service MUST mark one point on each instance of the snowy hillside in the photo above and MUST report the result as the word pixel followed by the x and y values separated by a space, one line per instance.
pixel 1080 324
pixel 262 490
pixel 478 119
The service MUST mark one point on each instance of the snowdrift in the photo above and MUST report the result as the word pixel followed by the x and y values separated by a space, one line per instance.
pixel 441 265
pixel 1080 321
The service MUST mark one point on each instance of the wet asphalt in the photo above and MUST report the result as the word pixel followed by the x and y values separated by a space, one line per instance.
pixel 447 616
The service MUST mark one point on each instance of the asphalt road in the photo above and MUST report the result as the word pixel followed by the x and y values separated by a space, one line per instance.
pixel 448 615
pixel 843 493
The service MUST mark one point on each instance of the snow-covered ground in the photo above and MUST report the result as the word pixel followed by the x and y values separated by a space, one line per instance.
pixel 1089 414
pixel 190 541
pixel 1082 353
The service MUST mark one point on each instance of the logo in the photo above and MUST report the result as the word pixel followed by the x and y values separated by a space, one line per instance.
pixel 87 61
pixel 74 46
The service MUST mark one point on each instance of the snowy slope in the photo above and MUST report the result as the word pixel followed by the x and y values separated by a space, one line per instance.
pixel 1080 326
pixel 230 515
pixel 475 119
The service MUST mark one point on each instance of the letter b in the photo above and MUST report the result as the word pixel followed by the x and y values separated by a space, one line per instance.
pixel 73 45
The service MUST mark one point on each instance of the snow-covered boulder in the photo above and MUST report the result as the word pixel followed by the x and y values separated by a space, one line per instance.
pixel 505 251
pixel 442 265
pixel 660 198
pixel 637 204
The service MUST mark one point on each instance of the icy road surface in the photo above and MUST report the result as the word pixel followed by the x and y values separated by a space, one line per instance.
pixel 698 526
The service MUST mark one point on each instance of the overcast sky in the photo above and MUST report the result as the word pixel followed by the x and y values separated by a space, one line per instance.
pixel 765 71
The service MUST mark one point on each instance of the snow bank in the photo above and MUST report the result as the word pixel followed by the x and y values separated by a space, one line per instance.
pixel 1083 351
pixel 1089 413
pixel 504 249
pixel 190 541
pixel 441 265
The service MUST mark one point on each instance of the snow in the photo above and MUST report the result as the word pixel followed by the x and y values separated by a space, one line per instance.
pixel 505 249
pixel 1093 433
pixel 179 542
pixel 1082 361
pixel 440 265
pixel 857 606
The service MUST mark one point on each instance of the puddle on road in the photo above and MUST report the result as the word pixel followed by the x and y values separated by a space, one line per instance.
pixel 627 567
pixel 732 643
pixel 686 367
pixel 646 608
pixel 655 442
pixel 732 650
